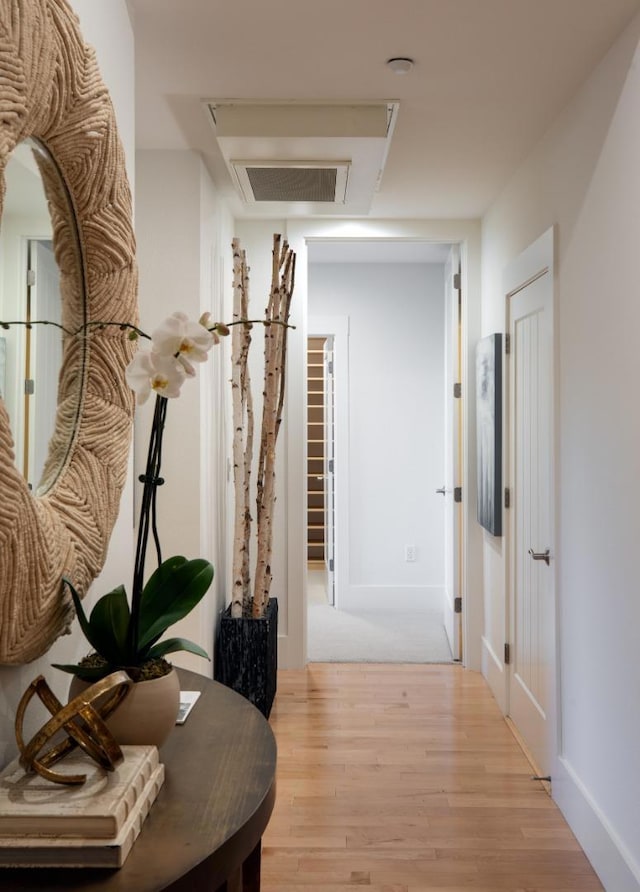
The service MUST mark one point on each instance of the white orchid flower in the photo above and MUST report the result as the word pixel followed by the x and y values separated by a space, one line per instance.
pixel 182 339
pixel 217 329
pixel 149 371
pixel 205 321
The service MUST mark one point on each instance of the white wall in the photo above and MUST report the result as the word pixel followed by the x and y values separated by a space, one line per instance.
pixel 395 393
pixel 105 24
pixel 585 177
pixel 184 238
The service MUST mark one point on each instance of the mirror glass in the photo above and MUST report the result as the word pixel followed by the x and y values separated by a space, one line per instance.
pixel 38 238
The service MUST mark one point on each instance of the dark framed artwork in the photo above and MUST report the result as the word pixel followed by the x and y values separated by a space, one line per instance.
pixel 489 432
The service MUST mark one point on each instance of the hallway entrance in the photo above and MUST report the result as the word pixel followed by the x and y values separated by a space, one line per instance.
pixel 380 410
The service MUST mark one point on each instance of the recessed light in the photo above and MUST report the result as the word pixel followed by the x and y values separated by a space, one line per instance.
pixel 400 64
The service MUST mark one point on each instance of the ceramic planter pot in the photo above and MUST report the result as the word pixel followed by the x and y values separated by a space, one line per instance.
pixel 148 712
pixel 247 656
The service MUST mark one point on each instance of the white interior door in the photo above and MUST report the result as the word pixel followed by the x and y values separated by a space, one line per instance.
pixel 452 451
pixel 532 667
pixel 329 468
pixel 46 354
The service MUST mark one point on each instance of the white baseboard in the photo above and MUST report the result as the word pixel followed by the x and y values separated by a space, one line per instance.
pixel 618 870
pixel 492 668
pixel 386 597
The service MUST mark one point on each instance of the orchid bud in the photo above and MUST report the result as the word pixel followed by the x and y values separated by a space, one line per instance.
pixel 221 329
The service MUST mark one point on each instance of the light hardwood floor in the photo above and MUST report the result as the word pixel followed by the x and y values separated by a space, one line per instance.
pixel 405 778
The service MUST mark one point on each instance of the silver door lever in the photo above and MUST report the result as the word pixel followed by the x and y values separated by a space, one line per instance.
pixel 540 555
pixel 442 491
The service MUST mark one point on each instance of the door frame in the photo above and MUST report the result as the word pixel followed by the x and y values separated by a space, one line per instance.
pixel 535 261
pixel 454 436
pixel 292 652
pixel 41 263
pixel 337 327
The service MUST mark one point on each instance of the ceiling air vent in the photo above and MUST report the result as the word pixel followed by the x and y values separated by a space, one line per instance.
pixel 322 181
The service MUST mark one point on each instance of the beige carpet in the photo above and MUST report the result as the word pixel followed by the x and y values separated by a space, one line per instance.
pixel 371 636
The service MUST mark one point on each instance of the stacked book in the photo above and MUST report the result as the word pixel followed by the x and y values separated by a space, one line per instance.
pixel 93 825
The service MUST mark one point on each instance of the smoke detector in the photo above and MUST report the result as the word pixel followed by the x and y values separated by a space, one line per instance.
pixel 309 158
pixel 400 64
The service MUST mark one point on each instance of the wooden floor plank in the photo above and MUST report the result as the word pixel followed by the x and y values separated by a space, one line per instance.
pixel 407 779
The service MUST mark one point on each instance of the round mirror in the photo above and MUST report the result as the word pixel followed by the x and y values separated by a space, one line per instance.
pixel 51 91
pixel 31 353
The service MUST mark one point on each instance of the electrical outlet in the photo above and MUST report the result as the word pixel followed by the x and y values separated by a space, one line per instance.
pixel 410 553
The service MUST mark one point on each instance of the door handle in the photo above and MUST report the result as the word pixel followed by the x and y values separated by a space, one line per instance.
pixel 442 491
pixel 540 555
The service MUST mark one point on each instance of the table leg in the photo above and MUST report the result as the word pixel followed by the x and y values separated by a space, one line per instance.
pixel 251 870
pixel 233 884
pixel 247 877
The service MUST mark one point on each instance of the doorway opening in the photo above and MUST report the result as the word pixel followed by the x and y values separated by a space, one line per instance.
pixel 320 469
pixel 382 320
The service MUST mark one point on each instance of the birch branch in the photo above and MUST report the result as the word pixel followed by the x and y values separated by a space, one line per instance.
pixel 238 381
pixel 283 265
pixel 248 445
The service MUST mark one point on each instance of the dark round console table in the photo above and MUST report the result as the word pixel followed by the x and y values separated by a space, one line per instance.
pixel 204 830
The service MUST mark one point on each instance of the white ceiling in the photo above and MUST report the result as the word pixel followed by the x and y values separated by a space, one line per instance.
pixel 490 77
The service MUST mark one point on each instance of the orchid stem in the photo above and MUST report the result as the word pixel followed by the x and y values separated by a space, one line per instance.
pixel 151 480
pixel 123 326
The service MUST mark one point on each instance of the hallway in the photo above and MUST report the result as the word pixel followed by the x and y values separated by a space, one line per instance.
pixel 407 779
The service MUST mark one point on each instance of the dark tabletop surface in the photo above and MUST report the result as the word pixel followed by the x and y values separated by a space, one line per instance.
pixel 215 802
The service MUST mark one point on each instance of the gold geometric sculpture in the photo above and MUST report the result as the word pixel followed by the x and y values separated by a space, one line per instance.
pixel 83 721
pixel 51 91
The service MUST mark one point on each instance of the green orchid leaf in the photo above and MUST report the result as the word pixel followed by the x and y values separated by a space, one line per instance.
pixel 171 645
pixel 158 577
pixel 86 673
pixel 171 593
pixel 109 625
pixel 82 617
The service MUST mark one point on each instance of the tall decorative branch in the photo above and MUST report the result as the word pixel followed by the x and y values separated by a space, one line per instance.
pixel 275 340
pixel 248 444
pixel 242 432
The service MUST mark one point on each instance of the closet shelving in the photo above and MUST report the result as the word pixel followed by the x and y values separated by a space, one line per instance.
pixel 315 451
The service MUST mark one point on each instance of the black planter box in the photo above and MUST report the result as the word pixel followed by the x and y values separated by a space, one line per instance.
pixel 246 658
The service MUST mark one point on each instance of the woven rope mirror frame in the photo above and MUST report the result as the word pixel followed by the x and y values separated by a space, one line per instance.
pixel 51 91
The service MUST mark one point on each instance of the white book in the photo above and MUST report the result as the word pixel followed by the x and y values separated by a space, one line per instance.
pixel 187 702
pixel 50 851
pixel 32 806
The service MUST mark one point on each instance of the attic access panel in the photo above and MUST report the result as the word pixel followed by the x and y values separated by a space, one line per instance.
pixel 304 157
